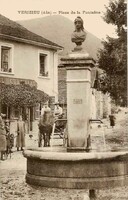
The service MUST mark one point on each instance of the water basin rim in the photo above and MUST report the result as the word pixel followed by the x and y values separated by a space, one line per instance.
pixel 67 156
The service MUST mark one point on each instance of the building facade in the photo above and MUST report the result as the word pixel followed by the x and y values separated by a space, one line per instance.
pixel 27 58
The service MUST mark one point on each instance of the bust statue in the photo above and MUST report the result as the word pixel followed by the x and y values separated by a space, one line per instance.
pixel 79 35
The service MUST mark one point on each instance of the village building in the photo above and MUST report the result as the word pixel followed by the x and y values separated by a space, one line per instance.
pixel 27 58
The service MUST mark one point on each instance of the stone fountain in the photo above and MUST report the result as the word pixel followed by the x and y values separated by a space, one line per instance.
pixel 75 166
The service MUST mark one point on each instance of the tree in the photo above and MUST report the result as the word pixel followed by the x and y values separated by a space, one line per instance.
pixel 113 57
pixel 22 95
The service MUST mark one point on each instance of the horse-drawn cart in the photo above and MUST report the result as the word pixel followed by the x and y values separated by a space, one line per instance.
pixel 60 126
pixel 49 127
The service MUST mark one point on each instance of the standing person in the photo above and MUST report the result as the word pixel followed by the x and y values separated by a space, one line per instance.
pixel 7 129
pixel 112 119
pixel 20 142
pixel 3 143
pixel 45 108
pixel 58 114
pixel 9 138
pixel 58 111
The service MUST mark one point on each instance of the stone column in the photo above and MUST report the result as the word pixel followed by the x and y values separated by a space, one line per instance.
pixel 78 66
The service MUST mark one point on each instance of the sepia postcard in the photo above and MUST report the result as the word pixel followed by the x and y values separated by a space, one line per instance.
pixel 63 100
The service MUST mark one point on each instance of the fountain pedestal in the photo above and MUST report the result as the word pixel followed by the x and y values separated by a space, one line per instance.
pixel 78 66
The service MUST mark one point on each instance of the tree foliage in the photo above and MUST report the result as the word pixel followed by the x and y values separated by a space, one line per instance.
pixel 113 57
pixel 116 14
pixel 21 95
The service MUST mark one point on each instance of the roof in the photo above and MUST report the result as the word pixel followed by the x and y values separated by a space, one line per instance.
pixel 12 30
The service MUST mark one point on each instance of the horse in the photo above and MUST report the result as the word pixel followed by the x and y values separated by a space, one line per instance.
pixel 45 128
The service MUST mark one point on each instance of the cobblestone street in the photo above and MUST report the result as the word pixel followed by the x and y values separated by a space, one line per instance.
pixel 13 170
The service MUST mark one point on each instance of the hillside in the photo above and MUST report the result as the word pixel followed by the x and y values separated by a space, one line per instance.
pixel 15 30
pixel 58 29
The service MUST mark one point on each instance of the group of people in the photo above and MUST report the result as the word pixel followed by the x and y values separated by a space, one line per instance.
pixel 58 111
pixel 7 139
pixel 46 117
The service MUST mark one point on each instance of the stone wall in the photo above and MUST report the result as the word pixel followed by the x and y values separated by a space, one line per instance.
pixel 106 105
pixel 99 104
pixel 103 105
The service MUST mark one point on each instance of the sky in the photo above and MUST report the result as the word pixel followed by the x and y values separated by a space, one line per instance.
pixel 93 22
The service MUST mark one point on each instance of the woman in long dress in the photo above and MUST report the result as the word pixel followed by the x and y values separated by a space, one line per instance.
pixel 112 119
pixel 20 142
pixel 3 143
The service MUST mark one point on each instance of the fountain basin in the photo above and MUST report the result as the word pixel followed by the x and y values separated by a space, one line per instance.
pixel 60 169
